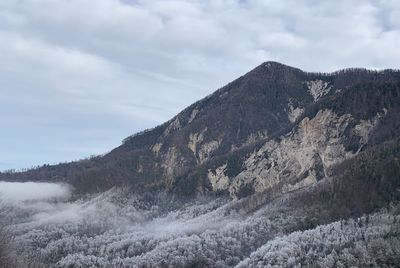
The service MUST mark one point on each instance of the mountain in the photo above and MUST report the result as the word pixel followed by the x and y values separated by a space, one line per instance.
pixel 276 127
pixel 279 168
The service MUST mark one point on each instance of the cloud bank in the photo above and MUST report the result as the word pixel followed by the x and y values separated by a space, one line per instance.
pixel 12 192
pixel 78 76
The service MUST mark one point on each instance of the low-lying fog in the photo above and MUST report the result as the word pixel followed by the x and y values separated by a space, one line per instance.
pixel 119 229
pixel 11 192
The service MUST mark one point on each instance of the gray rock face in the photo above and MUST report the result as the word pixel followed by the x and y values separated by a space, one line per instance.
pixel 276 127
pixel 300 158
pixel 318 88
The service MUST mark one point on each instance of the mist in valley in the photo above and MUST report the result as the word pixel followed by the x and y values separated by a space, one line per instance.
pixel 49 227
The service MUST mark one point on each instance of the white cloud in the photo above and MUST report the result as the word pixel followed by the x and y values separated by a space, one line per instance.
pixel 11 192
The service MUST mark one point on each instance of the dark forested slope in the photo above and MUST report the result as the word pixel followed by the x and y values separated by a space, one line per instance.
pixel 241 139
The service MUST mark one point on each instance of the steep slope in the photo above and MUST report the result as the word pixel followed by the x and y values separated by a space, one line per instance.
pixel 287 168
pixel 332 130
pixel 276 127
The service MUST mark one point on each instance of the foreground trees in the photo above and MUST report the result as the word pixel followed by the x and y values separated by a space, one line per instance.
pixel 115 229
pixel 5 259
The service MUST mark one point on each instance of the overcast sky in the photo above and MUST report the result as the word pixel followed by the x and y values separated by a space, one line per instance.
pixel 78 76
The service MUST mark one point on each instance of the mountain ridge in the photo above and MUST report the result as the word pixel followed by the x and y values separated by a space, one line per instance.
pixel 204 148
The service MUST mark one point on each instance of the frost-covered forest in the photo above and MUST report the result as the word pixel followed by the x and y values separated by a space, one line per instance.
pixel 116 229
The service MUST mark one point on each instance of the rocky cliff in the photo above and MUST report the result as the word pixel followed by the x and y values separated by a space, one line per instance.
pixel 276 127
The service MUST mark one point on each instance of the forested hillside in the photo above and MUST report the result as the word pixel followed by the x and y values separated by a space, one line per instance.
pixel 280 168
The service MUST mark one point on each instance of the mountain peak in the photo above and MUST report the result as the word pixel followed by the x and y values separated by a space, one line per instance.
pixel 274 64
pixel 223 128
pixel 275 69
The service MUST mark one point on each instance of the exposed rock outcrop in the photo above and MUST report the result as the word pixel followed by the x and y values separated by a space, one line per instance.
pixel 318 88
pixel 276 127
